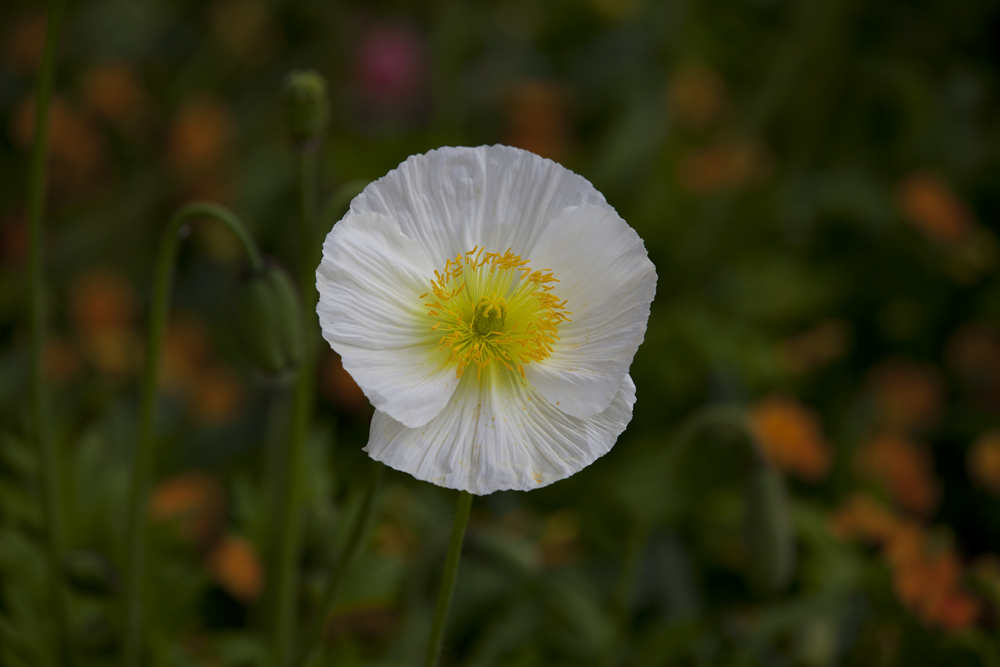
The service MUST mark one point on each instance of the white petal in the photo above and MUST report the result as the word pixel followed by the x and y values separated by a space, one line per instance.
pixel 369 283
pixel 608 283
pixel 496 436
pixel 497 197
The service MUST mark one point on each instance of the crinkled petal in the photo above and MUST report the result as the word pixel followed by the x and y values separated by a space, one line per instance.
pixel 496 435
pixel 451 200
pixel 369 282
pixel 608 283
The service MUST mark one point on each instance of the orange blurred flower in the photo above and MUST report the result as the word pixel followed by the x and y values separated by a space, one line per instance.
pixel 14 241
pixel 790 436
pixel 907 394
pixel 219 395
pixel 200 136
pixel 928 203
pixel 372 622
pixel 926 579
pixel 339 387
pixel 190 371
pixel 102 298
pixel 559 542
pixel 25 41
pixel 235 566
pixel 61 361
pixel 77 147
pixel 983 462
pixel 973 354
pixel 186 352
pixel 102 310
pixel 814 347
pixel 537 118
pixel 862 517
pixel 904 468
pixel 724 167
pixel 195 502
pixel 696 97
pixel 113 92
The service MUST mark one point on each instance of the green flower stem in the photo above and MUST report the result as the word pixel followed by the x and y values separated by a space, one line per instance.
pixel 144 454
pixel 286 517
pixel 358 531
pixel 38 396
pixel 448 579
pixel 309 249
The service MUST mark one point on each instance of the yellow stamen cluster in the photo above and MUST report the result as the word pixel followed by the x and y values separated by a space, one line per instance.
pixel 490 307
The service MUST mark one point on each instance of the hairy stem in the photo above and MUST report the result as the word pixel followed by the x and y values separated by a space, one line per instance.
pixel 38 397
pixel 286 517
pixel 448 579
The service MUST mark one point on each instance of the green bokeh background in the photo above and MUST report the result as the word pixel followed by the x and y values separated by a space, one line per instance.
pixel 774 209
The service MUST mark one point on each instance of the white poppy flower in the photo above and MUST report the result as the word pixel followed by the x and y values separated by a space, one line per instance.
pixel 489 303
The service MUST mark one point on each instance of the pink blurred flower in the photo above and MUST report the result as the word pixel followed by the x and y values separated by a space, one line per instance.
pixel 391 65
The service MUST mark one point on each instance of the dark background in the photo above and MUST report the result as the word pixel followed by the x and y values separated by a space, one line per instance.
pixel 817 183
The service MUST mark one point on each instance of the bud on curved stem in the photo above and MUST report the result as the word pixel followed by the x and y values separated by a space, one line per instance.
pixel 768 534
pixel 770 540
pixel 267 320
pixel 143 460
pixel 307 110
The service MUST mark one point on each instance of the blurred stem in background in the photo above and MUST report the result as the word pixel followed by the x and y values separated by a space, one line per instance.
pixel 48 459
pixel 317 628
pixel 448 577
pixel 307 115
pixel 144 454
pixel 769 538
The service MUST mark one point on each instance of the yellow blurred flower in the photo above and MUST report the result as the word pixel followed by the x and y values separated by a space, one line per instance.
pixel 791 436
pixel 235 566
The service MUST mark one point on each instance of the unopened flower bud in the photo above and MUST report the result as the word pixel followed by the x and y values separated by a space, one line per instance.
pixel 267 320
pixel 770 541
pixel 307 109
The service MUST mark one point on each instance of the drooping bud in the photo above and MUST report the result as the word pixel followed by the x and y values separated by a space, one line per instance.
pixel 307 109
pixel 267 320
pixel 770 540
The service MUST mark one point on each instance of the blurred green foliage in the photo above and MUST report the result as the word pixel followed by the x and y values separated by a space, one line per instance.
pixel 818 184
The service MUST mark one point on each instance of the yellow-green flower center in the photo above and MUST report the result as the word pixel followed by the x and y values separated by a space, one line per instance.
pixel 492 310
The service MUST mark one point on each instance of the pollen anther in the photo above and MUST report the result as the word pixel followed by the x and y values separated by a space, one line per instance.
pixel 490 307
